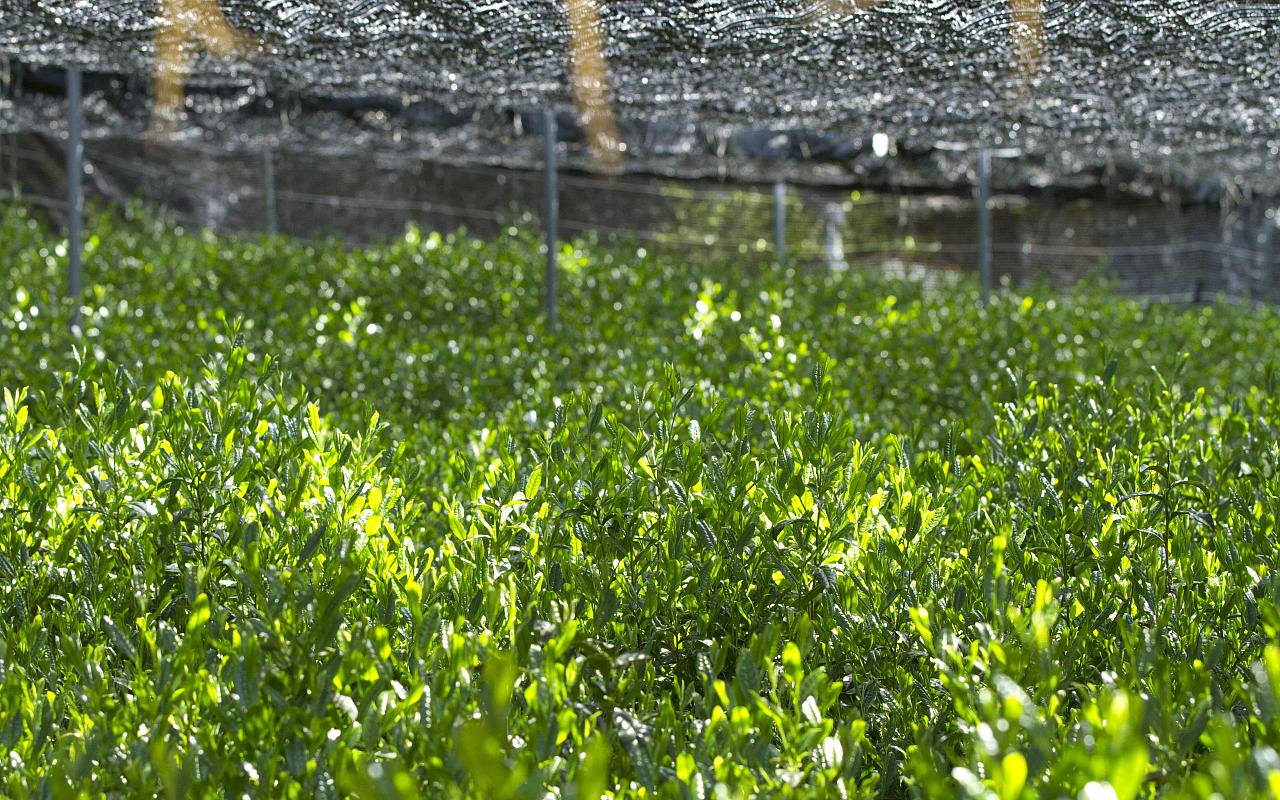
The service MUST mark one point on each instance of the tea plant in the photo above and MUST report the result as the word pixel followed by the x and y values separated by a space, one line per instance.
pixel 292 520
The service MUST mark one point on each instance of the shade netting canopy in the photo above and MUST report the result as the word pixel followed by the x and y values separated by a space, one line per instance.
pixel 1190 87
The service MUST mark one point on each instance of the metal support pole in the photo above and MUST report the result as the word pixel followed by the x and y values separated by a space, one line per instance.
pixel 1268 252
pixel 780 221
pixel 15 92
pixel 552 216
pixel 75 194
pixel 833 219
pixel 7 73
pixel 984 223
pixel 269 188
pixel 1235 224
pixel 11 167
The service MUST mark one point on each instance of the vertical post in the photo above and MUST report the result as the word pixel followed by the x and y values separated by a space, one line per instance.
pixel 780 221
pixel 269 188
pixel 1226 265
pixel 16 94
pixel 833 219
pixel 7 91
pixel 75 194
pixel 4 92
pixel 1268 253
pixel 984 223
pixel 551 217
pixel 1171 231
pixel 15 91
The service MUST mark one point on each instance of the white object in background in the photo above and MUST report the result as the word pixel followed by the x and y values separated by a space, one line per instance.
pixel 833 218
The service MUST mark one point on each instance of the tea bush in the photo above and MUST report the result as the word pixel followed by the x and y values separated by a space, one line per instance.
pixel 293 520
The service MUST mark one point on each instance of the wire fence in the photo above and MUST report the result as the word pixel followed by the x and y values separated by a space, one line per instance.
pixel 1163 248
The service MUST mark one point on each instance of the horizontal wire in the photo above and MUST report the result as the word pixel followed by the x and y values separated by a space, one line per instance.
pixel 34 199
pixel 721 239
pixel 384 205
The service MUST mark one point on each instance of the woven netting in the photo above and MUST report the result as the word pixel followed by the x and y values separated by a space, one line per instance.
pixel 1165 85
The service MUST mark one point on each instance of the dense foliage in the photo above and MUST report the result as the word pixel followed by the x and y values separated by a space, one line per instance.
pixel 290 520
